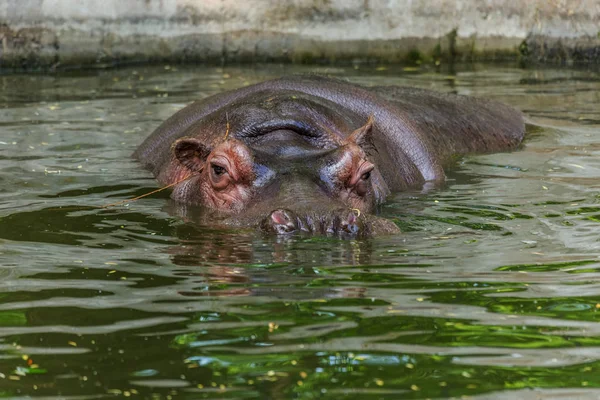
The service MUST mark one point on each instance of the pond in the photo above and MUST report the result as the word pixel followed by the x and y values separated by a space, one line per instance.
pixel 492 289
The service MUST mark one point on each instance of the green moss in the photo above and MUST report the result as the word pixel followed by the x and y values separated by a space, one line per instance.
pixel 436 53
pixel 414 57
pixel 524 49
pixel 451 36
pixel 303 58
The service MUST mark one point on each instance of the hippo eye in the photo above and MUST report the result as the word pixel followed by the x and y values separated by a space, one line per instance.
pixel 218 170
pixel 366 176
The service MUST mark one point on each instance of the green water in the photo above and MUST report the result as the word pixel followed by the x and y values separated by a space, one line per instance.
pixel 491 291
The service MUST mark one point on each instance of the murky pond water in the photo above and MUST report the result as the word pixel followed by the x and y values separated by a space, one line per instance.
pixel 493 286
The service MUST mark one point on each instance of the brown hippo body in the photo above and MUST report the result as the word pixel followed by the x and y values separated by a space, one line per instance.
pixel 316 154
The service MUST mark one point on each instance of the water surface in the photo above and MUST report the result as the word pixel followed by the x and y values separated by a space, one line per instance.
pixel 491 291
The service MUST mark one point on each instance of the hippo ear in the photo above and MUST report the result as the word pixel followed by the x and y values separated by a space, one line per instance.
pixel 191 152
pixel 363 135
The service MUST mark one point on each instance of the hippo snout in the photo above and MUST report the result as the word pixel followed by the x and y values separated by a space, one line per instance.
pixel 284 221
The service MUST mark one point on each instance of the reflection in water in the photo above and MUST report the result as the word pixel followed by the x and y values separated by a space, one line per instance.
pixel 491 290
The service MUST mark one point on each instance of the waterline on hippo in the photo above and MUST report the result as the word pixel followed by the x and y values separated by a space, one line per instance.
pixel 318 155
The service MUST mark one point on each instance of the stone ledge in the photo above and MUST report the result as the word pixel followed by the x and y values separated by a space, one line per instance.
pixel 57 33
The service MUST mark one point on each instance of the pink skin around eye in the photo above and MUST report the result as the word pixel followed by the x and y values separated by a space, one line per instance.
pixel 231 190
pixel 362 169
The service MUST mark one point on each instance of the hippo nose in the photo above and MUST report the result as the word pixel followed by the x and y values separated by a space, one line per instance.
pixel 349 224
pixel 282 221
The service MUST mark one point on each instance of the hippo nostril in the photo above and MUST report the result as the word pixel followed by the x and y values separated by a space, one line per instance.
pixel 283 221
pixel 280 217
pixel 351 228
pixel 350 224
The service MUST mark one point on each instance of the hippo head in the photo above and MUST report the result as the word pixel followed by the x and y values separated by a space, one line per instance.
pixel 285 184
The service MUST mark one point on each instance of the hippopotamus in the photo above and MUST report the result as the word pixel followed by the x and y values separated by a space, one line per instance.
pixel 316 154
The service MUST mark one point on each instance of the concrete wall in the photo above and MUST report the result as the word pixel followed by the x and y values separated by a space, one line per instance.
pixel 50 33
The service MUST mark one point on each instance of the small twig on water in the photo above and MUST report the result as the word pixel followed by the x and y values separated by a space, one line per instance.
pixel 148 194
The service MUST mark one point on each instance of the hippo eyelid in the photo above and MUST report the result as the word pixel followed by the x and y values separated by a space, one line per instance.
pixel 220 161
pixel 365 169
pixel 217 164
pixel 218 170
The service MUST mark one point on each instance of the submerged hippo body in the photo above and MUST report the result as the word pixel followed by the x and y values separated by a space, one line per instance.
pixel 317 154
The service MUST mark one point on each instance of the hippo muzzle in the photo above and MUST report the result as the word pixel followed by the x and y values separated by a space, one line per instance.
pixel 338 222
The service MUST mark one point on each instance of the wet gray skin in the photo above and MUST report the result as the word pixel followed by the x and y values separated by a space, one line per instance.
pixel 317 155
